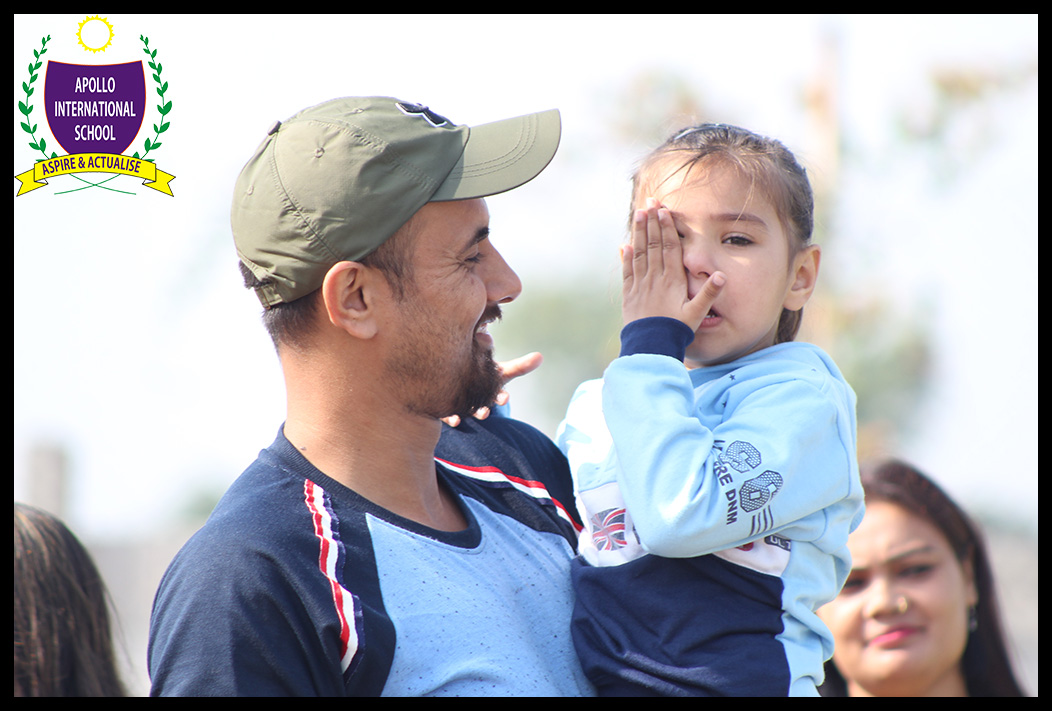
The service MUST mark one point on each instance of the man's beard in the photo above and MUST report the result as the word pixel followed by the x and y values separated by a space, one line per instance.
pixel 479 386
pixel 436 387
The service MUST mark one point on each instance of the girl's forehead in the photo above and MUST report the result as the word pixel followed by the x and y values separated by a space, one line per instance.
pixel 672 178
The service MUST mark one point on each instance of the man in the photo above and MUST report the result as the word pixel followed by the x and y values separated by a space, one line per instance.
pixel 350 558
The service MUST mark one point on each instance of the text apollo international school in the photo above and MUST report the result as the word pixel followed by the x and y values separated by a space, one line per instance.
pixel 98 108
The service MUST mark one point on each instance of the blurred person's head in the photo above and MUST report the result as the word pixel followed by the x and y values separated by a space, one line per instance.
pixel 918 614
pixel 63 642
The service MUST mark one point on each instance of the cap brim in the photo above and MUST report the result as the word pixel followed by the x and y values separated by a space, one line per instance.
pixel 502 155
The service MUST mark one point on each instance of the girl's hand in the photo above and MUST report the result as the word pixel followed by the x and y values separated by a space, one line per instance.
pixel 655 280
pixel 511 369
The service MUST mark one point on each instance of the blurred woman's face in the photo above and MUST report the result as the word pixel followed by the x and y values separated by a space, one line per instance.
pixel 901 622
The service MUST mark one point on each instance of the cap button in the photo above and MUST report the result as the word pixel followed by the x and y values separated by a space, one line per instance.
pixel 274 128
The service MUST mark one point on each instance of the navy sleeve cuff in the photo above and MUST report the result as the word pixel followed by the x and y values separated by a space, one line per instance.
pixel 658 335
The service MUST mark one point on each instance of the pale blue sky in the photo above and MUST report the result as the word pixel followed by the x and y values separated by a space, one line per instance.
pixel 136 346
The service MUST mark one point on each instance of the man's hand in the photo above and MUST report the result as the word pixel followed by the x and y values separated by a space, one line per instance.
pixel 511 369
pixel 655 280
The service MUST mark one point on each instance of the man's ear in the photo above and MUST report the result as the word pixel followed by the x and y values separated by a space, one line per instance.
pixel 348 295
pixel 804 276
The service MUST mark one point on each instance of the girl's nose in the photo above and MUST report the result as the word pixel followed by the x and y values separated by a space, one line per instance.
pixel 698 259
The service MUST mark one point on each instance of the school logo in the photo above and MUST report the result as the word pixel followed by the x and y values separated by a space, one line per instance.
pixel 94 112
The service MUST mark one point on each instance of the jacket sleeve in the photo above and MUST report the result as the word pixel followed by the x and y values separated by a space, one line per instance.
pixel 772 461
pixel 227 626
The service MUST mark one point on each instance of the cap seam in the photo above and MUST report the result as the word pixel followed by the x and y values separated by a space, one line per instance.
pixel 384 149
pixel 522 148
pixel 292 203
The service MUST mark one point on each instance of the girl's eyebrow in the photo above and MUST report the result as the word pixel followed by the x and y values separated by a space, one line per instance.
pixel 734 217
pixel 739 217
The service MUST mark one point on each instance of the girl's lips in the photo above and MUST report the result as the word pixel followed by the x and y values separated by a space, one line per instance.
pixel 894 637
pixel 711 320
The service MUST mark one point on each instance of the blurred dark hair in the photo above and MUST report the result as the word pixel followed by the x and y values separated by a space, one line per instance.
pixel 764 161
pixel 63 640
pixel 985 663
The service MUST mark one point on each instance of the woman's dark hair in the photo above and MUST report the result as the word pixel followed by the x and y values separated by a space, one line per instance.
pixel 766 162
pixel 985 663
pixel 63 640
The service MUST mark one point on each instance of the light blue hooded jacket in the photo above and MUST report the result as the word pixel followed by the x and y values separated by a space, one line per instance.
pixel 750 464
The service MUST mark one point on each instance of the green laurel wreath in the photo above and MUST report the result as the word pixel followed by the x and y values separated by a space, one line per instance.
pixel 163 107
pixel 26 108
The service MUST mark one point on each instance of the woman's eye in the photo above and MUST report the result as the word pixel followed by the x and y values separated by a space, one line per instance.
pixel 917 570
pixel 853 584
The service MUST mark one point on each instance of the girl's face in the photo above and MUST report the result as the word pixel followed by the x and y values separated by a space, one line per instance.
pixel 727 225
pixel 901 622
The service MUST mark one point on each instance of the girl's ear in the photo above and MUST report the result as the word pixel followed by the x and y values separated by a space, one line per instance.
pixel 347 292
pixel 803 275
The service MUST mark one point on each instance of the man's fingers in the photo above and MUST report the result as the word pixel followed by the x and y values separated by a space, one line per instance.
pixel 520 366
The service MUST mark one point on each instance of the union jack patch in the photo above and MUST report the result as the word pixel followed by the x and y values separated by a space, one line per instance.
pixel 608 530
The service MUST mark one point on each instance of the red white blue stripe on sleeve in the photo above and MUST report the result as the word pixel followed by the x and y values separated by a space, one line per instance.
pixel 493 475
pixel 328 561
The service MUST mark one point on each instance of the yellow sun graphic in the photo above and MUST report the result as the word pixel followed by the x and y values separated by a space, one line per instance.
pixel 95 34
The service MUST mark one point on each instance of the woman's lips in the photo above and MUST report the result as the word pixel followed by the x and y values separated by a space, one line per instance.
pixel 894 637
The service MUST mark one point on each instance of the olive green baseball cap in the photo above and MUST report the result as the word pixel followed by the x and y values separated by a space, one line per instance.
pixel 333 182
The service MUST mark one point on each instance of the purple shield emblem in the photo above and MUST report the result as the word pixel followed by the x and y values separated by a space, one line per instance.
pixel 95 108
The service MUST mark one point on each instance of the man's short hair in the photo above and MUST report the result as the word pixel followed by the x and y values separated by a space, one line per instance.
pixel 293 323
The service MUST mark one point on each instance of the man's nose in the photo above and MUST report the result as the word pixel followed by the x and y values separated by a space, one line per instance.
pixel 502 283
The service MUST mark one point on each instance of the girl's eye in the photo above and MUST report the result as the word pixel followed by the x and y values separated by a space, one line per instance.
pixel 737 240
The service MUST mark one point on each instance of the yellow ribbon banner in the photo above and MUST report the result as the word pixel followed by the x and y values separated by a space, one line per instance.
pixel 151 175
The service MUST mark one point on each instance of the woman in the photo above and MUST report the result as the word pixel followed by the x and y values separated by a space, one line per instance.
pixel 62 630
pixel 918 613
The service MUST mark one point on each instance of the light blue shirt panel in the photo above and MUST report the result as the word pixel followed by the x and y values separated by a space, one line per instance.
pixel 487 621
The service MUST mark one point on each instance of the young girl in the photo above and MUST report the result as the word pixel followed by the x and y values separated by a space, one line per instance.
pixel 715 461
